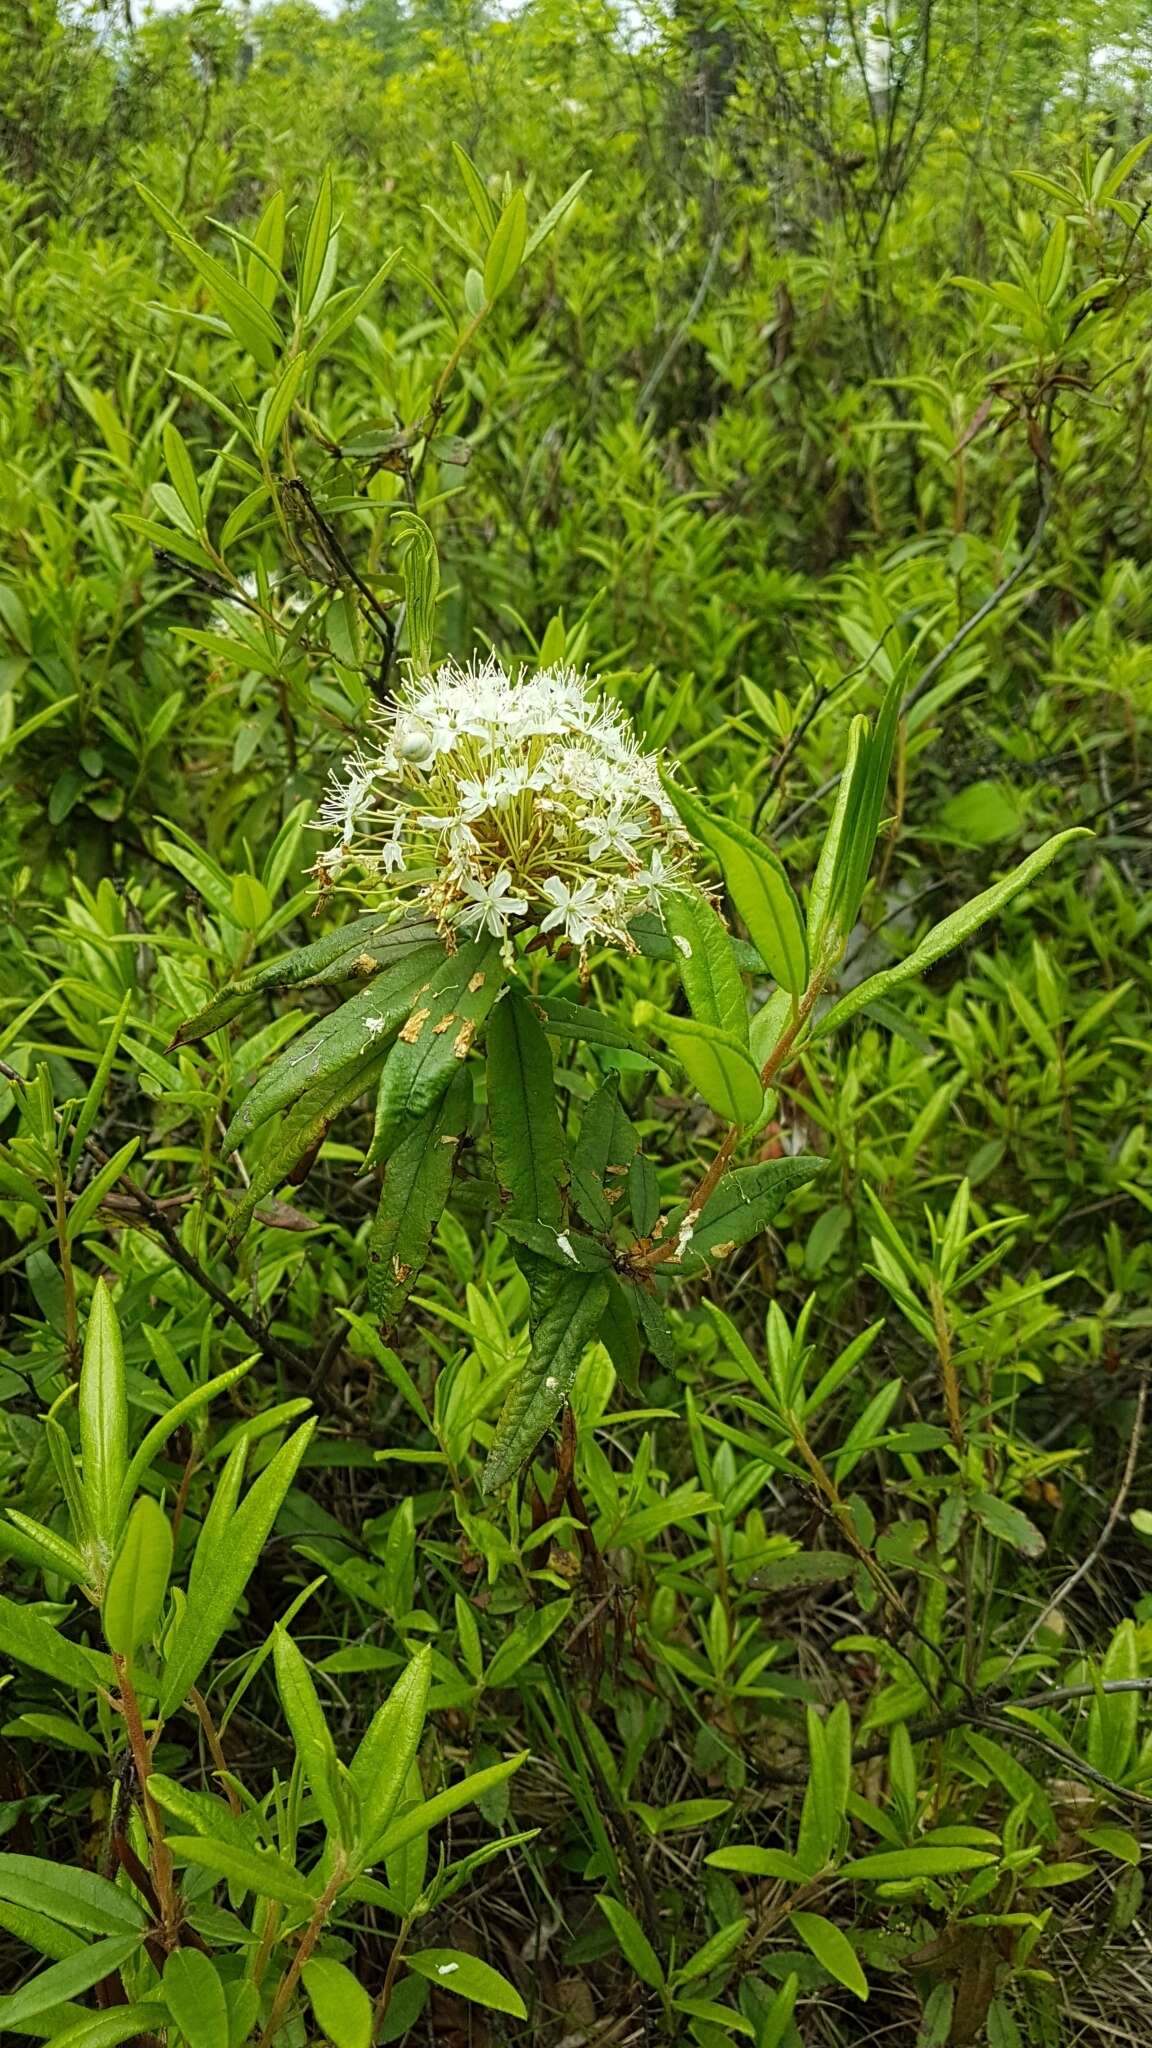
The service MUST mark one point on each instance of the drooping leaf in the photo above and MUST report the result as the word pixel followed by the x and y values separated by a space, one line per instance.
pixel 634 1943
pixel 195 1998
pixel 527 1142
pixel 745 1202
pixel 442 1024
pixel 572 1305
pixel 417 1183
pixel 832 1948
pixel 304 1129
pixel 367 1022
pixel 342 2007
pixel 356 951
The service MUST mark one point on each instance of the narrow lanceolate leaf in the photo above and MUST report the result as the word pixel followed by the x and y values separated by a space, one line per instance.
pixel 417 1183
pixel 103 1420
pixel 579 1020
pixel 303 1130
pixel 571 1307
pixel 202 1812
pixel 451 1969
pixel 28 1639
pixel 340 2005
pixel 380 1767
pixel 831 1948
pixel 634 1943
pixel 195 1998
pixel 138 1580
pixel 743 1205
pixel 758 886
pixel 153 1442
pixel 78 1898
pixel 602 1156
pixel 367 1022
pixel 887 1864
pixel 253 1870
pixel 442 1024
pixel 310 1732
pixel 506 249
pixel 946 936
pixel 419 1820
pixel 717 1064
pixel 213 1599
pixel 46 1937
pixel 110 2029
pixel 356 952
pixel 527 1143
pixel 42 1548
pixel 66 1980
pixel 710 975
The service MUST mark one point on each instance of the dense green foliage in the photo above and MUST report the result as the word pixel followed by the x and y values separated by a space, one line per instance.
pixel 787 1682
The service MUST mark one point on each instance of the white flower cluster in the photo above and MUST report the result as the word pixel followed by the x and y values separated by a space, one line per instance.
pixel 498 800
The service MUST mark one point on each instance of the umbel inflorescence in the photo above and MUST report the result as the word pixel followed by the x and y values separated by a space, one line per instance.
pixel 499 802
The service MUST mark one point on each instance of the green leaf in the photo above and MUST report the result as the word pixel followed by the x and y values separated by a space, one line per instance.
pixel 421 573
pixel 357 951
pixel 103 1421
pixel 183 474
pixel 634 1943
pixel 444 1019
pixel 310 1732
pixel 506 249
pixel 419 1820
pixel 42 1548
pixel 476 188
pixel 314 256
pixel 253 1870
pixel 1114 1718
pixel 29 1639
pixel 603 1154
pixel 417 1183
pixel 749 1861
pixel 885 1864
pixel 758 886
pixel 36 1931
pixel 109 2029
pixel 195 1998
pixel 946 936
pixel 527 1143
pixel 78 1898
pixel 1007 1524
pixel 718 1065
pixel 213 1598
pixel 708 972
pixel 362 1026
pixel 138 1580
pixel 341 2007
pixel 572 1305
pixel 450 1969
pixel 832 1950
pixel 155 1439
pixel 555 214
pixel 203 1812
pixel 379 1769
pixel 777 2021
pixel 745 1202
pixel 66 1980
pixel 526 1641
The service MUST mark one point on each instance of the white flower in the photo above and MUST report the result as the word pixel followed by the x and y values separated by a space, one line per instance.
pixel 575 909
pixel 491 904
pixel 494 798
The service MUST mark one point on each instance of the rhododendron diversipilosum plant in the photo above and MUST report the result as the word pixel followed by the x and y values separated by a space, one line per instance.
pixel 504 835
